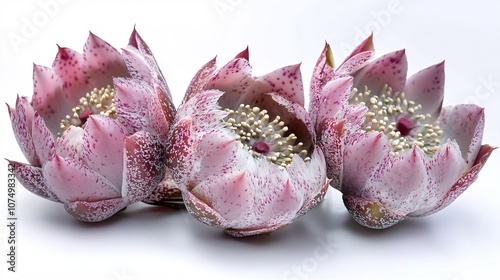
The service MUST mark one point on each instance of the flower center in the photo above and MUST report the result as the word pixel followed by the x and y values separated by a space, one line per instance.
pixel 98 101
pixel 264 138
pixel 398 118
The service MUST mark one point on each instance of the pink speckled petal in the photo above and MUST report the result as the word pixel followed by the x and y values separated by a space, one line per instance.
pixel 445 168
pixel 281 205
pixel 138 108
pixel 200 79
pixel 253 231
pixel 43 139
pixel 358 58
pixel 137 42
pixel 323 72
pixel 233 78
pixel 22 122
pixel 389 69
pixel 102 62
pixel 370 213
pixel 361 160
pixel 230 196
pixel 70 144
pixel 308 205
pixel 180 150
pixel 95 211
pixel 69 67
pixel 464 182
pixel 332 144
pixel 103 140
pixel 426 87
pixel 398 185
pixel 287 82
pixel 333 97
pixel 166 193
pixel 32 179
pixel 202 211
pixel 71 181
pixel 137 65
pixel 465 124
pixel 144 165
pixel 48 97
pixel 216 154
pixel 244 54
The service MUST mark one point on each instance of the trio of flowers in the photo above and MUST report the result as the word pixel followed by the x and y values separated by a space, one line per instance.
pixel 241 152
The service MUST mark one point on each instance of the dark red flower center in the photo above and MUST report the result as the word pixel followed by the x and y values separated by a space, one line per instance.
pixel 404 126
pixel 260 147
pixel 84 116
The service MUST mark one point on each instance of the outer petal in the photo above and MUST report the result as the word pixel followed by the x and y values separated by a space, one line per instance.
pixel 180 150
pixel 323 72
pixel 22 122
pixel 199 80
pixel 72 181
pixel 43 139
pixel 332 145
pixel 389 69
pixel 103 147
pixel 202 211
pixel 144 165
pixel 370 213
pixel 445 167
pixel 102 62
pixel 166 193
pixel 358 58
pixel 32 179
pixel 427 88
pixel 95 211
pixel 464 182
pixel 464 123
pixel 332 99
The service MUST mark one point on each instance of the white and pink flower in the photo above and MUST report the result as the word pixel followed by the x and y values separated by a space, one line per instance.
pixel 243 150
pixel 94 130
pixel 390 147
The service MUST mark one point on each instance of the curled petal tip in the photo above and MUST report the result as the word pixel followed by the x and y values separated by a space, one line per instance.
pixel 243 54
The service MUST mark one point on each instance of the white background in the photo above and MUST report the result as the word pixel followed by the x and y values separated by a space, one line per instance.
pixel 145 242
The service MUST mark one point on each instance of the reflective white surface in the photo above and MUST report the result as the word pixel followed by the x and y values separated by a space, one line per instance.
pixel 145 242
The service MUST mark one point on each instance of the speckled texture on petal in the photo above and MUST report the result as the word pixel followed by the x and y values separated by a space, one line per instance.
pixel 22 122
pixel 371 213
pixel 144 165
pixel 389 69
pixel 166 192
pixel 32 179
pixel 95 211
pixel 358 57
pixel 43 139
pixel 72 181
pixel 199 80
pixel 71 143
pixel 332 99
pixel 287 82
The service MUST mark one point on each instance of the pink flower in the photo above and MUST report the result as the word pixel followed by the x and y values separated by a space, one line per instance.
pixel 94 131
pixel 390 147
pixel 242 149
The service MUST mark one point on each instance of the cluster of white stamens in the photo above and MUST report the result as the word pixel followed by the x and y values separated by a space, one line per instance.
pixel 98 101
pixel 398 118
pixel 263 137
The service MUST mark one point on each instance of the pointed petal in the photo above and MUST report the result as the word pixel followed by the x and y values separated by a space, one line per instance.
pixel 370 213
pixel 144 165
pixel 22 122
pixel 202 211
pixel 287 82
pixel 445 168
pixel 464 182
pixel 358 58
pixel 332 98
pixel 179 151
pixel 323 72
pixel 32 179
pixel 389 69
pixel 398 186
pixel 229 196
pixel 465 124
pixel 282 205
pixel 365 46
pixel 166 193
pixel 234 79
pixel 95 211
pixel 73 181
pixel 426 88
pixel 200 79
pixel 332 145
pixel 69 67
pixel 361 160
pixel 138 108
pixel 102 62
pixel 308 205
pixel 137 66
pixel 71 143
pixel 48 97
pixel 137 42
pixel 103 140
pixel 243 54
pixel 43 139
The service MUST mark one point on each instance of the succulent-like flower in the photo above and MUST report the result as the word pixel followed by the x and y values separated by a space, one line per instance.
pixel 243 150
pixel 94 131
pixel 391 148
